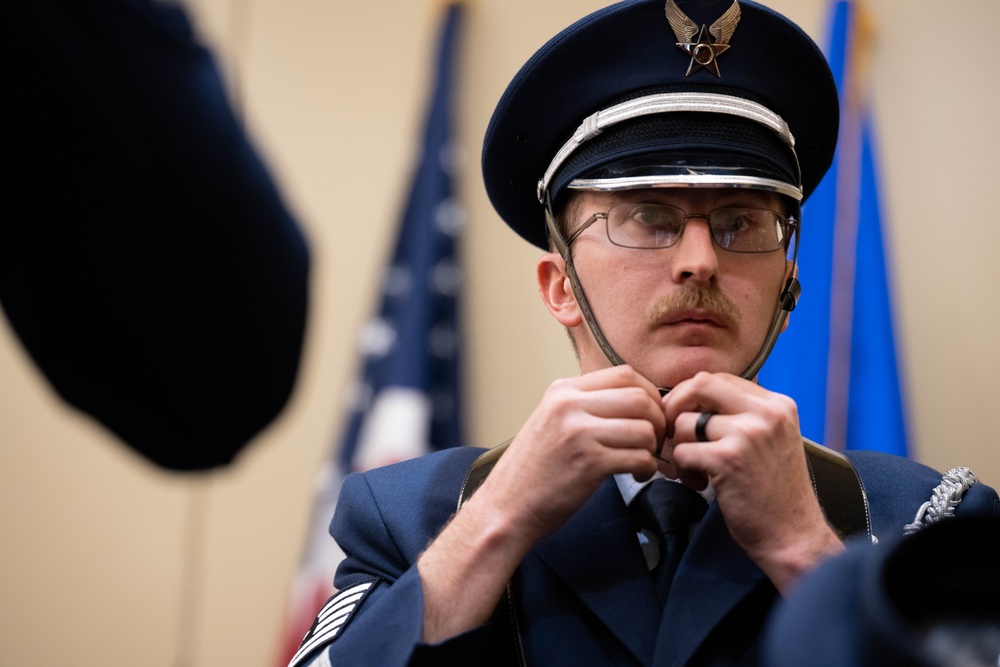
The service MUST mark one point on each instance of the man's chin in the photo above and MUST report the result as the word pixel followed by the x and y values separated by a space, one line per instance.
pixel 676 368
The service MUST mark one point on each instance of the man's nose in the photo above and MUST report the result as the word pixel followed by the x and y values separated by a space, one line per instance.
pixel 695 256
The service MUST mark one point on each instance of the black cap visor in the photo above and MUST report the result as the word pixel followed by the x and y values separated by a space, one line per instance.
pixel 681 150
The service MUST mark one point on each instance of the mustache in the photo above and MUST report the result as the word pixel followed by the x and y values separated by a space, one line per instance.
pixel 709 299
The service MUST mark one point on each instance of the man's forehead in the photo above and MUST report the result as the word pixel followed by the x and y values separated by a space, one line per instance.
pixel 713 197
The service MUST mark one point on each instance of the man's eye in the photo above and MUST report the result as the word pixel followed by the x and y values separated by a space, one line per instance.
pixel 734 224
pixel 652 216
pixel 737 220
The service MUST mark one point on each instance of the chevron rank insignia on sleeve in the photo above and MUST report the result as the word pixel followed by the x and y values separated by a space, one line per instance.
pixel 331 619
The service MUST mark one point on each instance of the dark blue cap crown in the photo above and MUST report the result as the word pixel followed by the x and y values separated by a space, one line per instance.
pixel 629 52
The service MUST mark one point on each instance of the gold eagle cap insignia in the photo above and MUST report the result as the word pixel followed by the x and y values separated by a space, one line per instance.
pixel 704 44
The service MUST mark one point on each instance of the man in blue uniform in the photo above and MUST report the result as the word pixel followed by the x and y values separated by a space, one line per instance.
pixel 658 154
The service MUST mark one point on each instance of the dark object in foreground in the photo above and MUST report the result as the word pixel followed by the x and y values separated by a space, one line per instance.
pixel 148 264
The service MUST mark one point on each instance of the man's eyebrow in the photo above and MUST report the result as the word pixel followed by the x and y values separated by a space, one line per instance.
pixel 759 197
pixel 653 196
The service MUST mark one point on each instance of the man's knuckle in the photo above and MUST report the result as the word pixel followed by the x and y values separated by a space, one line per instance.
pixel 701 379
pixel 785 407
pixel 756 430
pixel 558 386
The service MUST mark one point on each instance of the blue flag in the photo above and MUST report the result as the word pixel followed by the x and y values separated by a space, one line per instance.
pixel 838 357
pixel 406 401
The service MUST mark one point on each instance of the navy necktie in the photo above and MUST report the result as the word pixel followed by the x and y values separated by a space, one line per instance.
pixel 669 509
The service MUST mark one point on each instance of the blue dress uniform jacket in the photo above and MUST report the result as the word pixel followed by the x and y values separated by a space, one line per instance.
pixel 583 593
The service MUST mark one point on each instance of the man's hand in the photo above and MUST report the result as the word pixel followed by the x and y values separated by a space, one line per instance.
pixel 755 461
pixel 585 428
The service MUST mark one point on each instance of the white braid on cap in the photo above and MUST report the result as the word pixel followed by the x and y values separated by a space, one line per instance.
pixel 944 499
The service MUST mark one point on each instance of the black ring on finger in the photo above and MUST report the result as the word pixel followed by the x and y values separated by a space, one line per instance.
pixel 701 424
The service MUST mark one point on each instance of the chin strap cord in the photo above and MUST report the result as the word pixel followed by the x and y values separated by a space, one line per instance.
pixel 944 499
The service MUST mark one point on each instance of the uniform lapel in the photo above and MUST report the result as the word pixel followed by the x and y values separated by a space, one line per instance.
pixel 597 555
pixel 713 577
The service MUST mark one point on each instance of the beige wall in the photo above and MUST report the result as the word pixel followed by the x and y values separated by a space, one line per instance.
pixel 94 540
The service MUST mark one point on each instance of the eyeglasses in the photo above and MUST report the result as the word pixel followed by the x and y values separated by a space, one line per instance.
pixel 736 229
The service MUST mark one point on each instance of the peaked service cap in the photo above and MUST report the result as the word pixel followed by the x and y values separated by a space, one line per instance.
pixel 614 100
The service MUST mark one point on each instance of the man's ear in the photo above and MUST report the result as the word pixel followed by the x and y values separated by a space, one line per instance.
pixel 556 290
